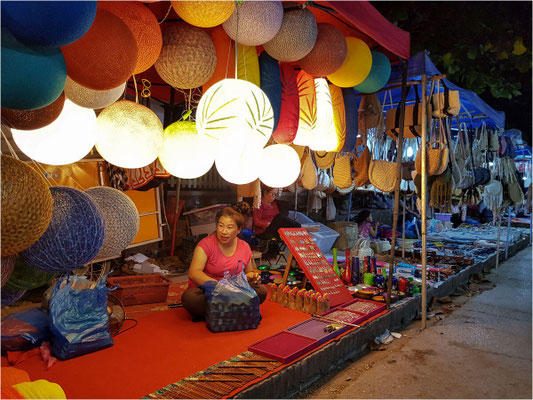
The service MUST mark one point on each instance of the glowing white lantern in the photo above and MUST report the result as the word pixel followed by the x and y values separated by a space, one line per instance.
pixel 279 166
pixel 236 161
pixel 325 135
pixel 90 98
pixel 185 153
pixel 66 140
pixel 235 107
pixel 128 134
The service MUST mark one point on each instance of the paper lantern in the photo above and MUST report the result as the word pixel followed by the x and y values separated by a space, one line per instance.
pixel 379 74
pixel 33 119
pixel 325 136
pixel 236 161
pixel 26 277
pixel 237 108
pixel 339 115
pixel 32 78
pixel 204 14
pixel 270 83
pixel 66 140
pixel 26 206
pixel 307 109
pixel 144 26
pixel 121 219
pixel 48 23
pixel 296 37
pixel 259 21
pixel 74 236
pixel 89 98
pixel 128 134
pixel 188 57
pixel 355 67
pixel 328 54
pixel 185 153
pixel 290 107
pixel 105 56
pixel 10 296
pixel 248 64
pixel 279 166
pixel 6 268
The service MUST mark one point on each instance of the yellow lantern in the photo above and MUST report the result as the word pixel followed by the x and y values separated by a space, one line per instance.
pixel 339 115
pixel 204 14
pixel 356 65
pixel 279 166
pixel 89 98
pixel 307 103
pixel 324 135
pixel 237 108
pixel 66 140
pixel 128 134
pixel 186 154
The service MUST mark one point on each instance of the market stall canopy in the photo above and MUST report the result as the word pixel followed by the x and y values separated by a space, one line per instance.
pixel 471 104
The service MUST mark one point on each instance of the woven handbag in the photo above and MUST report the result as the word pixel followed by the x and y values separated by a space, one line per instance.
pixel 324 159
pixel 342 172
pixel 493 195
pixel 382 173
pixel 441 191
pixel 360 164
pixel 412 120
pixel 447 103
pixel 370 112
pixel 309 177
pixel 437 157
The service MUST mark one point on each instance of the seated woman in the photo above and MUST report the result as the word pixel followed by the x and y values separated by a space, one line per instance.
pixel 215 254
pixel 367 228
pixel 268 218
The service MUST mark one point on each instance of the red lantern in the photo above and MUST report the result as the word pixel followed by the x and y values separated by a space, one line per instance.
pixel 33 119
pixel 290 106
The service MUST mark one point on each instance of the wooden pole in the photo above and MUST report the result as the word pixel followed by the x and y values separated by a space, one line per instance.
pixel 424 199
pixel 399 152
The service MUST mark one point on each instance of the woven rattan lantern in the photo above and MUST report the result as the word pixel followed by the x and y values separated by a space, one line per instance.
pixel 10 296
pixel 26 277
pixel 356 65
pixel 259 21
pixel 238 108
pixel 296 37
pixel 328 54
pixel 121 219
pixel 89 98
pixel 74 236
pixel 31 78
pixel 185 153
pixel 188 57
pixel 105 56
pixel 33 119
pixel 379 74
pixel 325 136
pixel 204 14
pixel 279 166
pixel 236 161
pixel 128 134
pixel 48 23
pixel 8 263
pixel 144 26
pixel 26 206
pixel 66 140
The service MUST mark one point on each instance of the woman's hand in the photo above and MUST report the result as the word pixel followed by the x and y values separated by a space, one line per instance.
pixel 253 277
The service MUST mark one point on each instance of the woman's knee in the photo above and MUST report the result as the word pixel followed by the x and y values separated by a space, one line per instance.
pixel 193 300
pixel 261 291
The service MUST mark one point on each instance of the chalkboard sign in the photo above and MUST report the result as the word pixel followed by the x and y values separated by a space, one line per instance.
pixel 315 266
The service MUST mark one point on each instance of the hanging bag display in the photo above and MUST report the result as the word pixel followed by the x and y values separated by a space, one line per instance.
pixel 361 162
pixel 233 304
pixel 441 191
pixel 464 158
pixel 437 152
pixel 493 195
pixel 309 176
pixel 342 172
pixel 412 121
pixel 382 173
pixel 447 103
pixel 370 113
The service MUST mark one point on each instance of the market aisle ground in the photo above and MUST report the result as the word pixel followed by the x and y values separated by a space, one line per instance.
pixel 481 349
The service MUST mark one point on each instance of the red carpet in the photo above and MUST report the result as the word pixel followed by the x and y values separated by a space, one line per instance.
pixel 164 348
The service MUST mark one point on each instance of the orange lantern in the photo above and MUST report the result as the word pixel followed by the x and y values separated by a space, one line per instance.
pixel 225 66
pixel 328 54
pixel 33 119
pixel 105 56
pixel 144 26
pixel 339 115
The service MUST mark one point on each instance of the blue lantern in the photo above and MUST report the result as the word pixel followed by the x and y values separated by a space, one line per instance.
pixel 379 74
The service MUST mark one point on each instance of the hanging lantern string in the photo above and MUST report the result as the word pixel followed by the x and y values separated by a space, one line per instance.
pixel 166 15
pixel 236 37
pixel 136 92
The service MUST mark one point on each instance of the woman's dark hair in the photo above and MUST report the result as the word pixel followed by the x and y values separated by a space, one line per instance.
pixel 362 216
pixel 265 189
pixel 233 214
pixel 244 208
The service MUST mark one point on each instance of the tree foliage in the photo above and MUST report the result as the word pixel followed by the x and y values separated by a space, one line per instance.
pixel 481 46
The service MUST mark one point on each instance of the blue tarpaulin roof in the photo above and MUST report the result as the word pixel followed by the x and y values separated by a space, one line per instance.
pixel 471 103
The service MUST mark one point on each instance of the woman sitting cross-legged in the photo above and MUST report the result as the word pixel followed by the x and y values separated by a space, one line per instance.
pixel 215 254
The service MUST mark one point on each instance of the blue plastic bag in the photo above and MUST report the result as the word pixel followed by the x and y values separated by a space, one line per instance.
pixel 78 317
pixel 233 304
pixel 25 330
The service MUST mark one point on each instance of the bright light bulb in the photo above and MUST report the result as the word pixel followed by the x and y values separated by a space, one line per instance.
pixel 279 166
pixel 66 140
pixel 325 136
pixel 236 161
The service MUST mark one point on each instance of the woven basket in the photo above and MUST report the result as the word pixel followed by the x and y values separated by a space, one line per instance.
pixel 188 57
pixel 8 263
pixel 26 206
pixel 324 159
pixel 121 219
pixel 26 277
pixel 295 38
pixel 382 174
